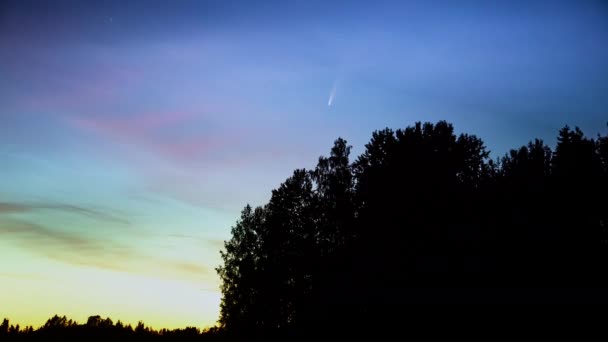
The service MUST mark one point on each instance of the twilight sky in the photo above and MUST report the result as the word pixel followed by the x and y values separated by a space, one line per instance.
pixel 132 133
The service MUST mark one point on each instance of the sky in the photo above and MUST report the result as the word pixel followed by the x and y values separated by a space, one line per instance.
pixel 132 133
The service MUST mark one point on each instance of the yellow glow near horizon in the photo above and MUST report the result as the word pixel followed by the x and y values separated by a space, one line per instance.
pixel 33 289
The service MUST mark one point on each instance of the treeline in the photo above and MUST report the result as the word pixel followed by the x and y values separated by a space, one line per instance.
pixel 96 327
pixel 423 216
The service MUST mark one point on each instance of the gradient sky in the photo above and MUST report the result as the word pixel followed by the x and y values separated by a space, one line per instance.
pixel 131 135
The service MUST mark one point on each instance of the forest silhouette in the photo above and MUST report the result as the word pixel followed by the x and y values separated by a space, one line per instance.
pixel 96 327
pixel 422 217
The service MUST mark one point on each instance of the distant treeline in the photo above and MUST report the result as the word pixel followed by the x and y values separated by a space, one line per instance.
pixel 62 328
pixel 422 217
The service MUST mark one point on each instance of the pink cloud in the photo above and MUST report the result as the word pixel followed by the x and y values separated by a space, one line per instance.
pixel 130 127
pixel 214 170
pixel 149 131
pixel 190 148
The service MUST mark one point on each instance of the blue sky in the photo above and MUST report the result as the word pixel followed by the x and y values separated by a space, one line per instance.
pixel 131 135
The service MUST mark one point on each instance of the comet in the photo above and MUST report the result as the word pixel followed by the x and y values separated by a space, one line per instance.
pixel 332 94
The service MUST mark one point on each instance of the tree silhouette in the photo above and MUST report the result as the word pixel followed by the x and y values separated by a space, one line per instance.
pixel 240 273
pixel 4 327
pixel 421 216
pixel 98 328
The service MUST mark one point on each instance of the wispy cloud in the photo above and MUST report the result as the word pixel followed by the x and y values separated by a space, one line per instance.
pixel 213 243
pixel 26 230
pixel 131 126
pixel 14 207
pixel 187 267
pixel 85 248
pixel 150 132
pixel 61 245
pixel 81 249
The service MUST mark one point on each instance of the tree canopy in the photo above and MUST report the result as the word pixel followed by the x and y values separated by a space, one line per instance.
pixel 423 215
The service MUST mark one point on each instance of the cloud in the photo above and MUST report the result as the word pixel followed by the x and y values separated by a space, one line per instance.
pixel 174 160
pixel 82 249
pixel 184 236
pixel 23 228
pixel 187 267
pixel 73 247
pixel 131 126
pixel 179 157
pixel 12 207
pixel 151 132
pixel 213 243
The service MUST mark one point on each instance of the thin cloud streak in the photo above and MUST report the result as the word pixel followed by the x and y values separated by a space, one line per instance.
pixel 80 249
pixel 9 207
pixel 27 231
pixel 213 243
pixel 132 126
pixel 149 132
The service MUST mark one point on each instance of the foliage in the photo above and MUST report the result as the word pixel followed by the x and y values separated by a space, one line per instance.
pixel 421 216
pixel 96 327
